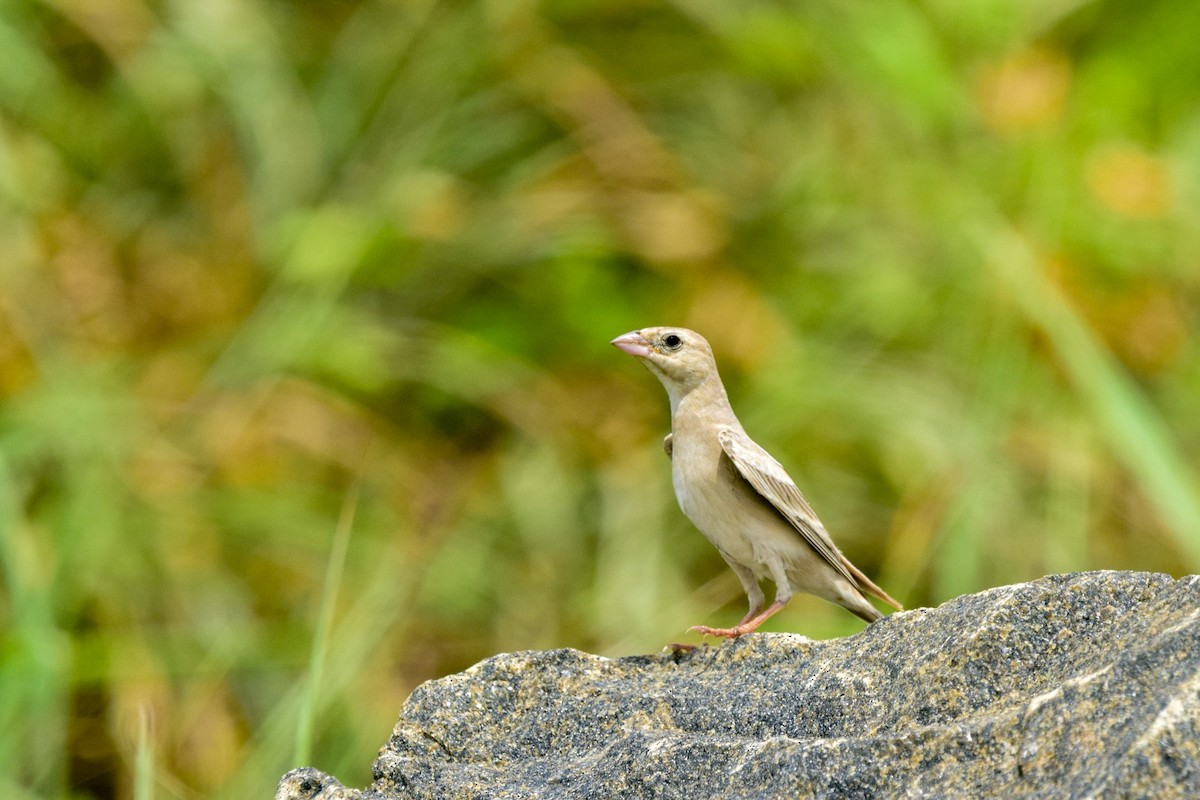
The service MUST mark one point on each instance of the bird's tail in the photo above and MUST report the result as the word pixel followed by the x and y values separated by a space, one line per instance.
pixel 861 607
pixel 867 587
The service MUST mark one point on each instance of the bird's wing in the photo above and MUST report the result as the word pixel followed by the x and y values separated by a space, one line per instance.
pixel 776 487
pixel 769 479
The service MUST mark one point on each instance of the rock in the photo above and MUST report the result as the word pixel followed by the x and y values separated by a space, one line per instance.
pixel 307 783
pixel 1081 685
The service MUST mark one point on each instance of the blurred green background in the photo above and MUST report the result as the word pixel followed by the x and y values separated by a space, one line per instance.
pixel 307 395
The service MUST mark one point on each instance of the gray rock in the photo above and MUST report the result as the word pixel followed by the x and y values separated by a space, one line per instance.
pixel 1081 685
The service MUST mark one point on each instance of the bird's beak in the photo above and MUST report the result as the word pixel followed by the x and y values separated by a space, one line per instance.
pixel 633 343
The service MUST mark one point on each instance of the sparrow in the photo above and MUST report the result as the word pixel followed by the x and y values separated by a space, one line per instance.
pixel 737 495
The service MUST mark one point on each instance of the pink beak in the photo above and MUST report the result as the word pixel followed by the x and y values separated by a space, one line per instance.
pixel 633 343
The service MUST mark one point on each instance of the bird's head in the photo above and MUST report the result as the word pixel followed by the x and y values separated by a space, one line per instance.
pixel 680 358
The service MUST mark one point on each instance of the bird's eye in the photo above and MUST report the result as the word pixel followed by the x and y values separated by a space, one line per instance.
pixel 672 341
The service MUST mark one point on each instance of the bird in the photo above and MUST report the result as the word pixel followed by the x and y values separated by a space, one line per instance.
pixel 738 496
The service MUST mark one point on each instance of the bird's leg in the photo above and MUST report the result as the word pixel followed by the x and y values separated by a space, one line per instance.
pixel 743 628
pixel 749 623
pixel 751 614
pixel 754 594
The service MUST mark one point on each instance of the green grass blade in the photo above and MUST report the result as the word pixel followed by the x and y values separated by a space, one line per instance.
pixel 320 648
pixel 143 777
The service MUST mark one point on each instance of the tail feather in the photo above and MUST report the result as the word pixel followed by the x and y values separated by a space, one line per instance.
pixel 866 586
pixel 862 609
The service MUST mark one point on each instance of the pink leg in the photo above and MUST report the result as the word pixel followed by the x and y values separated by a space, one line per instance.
pixel 750 623
pixel 751 614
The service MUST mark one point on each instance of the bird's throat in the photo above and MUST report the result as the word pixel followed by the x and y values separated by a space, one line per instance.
pixel 707 398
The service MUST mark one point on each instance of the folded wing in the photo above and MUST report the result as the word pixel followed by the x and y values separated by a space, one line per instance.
pixel 772 482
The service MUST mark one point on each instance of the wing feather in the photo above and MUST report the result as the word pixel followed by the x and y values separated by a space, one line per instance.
pixel 772 482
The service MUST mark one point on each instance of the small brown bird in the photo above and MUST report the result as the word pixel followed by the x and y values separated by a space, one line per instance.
pixel 739 497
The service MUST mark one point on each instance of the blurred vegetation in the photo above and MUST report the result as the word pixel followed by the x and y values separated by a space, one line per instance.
pixel 306 388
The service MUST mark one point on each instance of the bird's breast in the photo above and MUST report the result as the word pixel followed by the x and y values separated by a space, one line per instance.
pixel 722 505
pixel 703 483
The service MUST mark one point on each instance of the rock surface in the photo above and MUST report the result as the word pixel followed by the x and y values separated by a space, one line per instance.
pixel 1081 685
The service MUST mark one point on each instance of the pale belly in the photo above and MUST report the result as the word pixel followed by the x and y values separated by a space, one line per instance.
pixel 749 533
pixel 743 526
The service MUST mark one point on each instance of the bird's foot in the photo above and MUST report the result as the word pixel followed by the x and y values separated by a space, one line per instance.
pixel 728 633
pixel 748 624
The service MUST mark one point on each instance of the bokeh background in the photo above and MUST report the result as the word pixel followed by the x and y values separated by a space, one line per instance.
pixel 306 388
